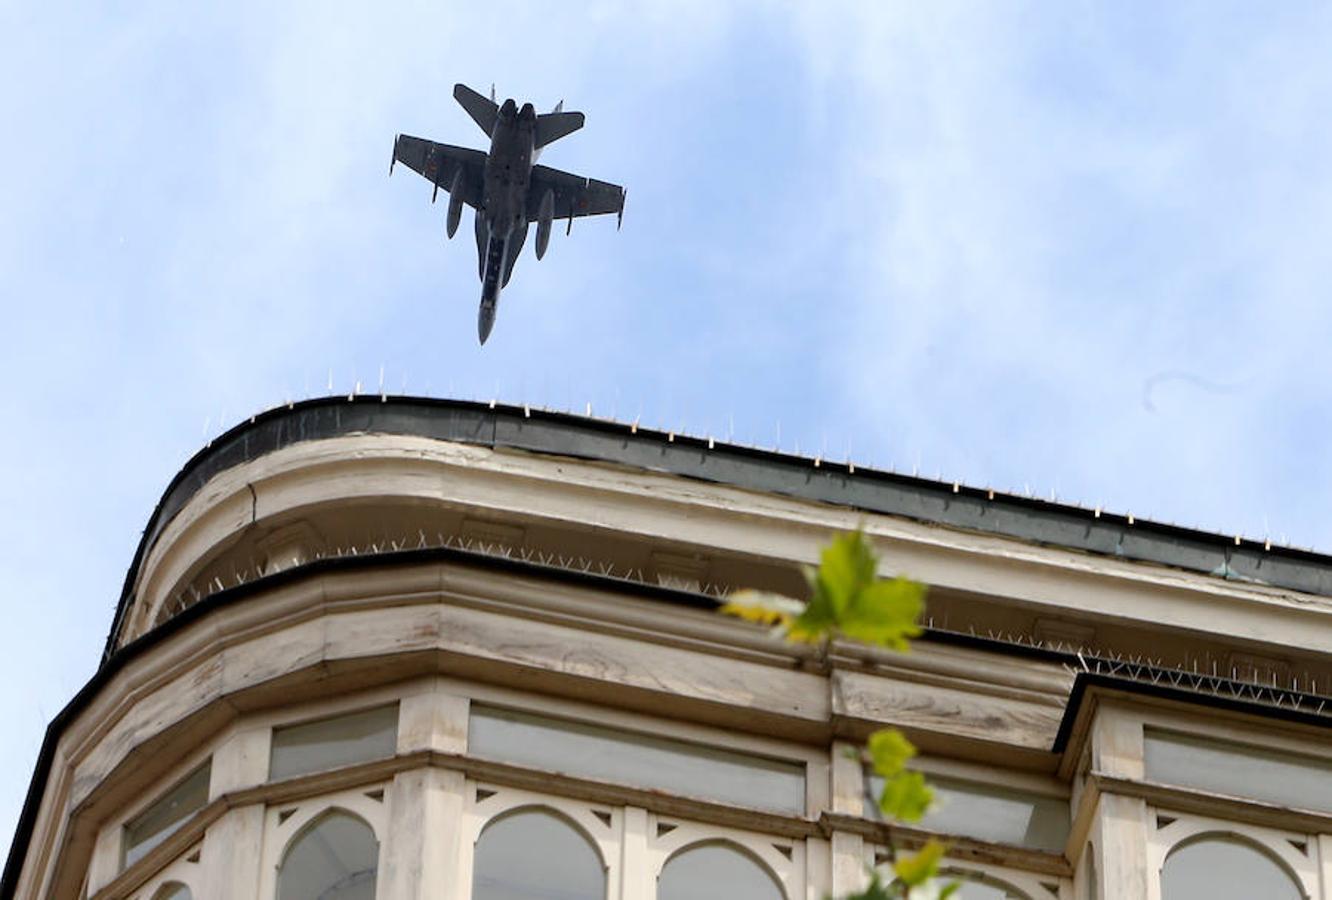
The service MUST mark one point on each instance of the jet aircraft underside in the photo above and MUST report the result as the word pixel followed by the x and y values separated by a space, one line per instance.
pixel 505 186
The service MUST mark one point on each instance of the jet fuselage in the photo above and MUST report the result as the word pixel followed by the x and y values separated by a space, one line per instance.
pixel 501 221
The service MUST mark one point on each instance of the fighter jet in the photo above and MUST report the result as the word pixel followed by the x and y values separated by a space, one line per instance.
pixel 505 186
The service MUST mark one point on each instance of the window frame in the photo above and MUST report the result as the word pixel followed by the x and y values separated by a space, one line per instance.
pixel 182 870
pixel 791 875
pixel 479 811
pixel 817 761
pixel 1304 869
pixel 1034 884
pixel 281 833
pixel 395 705
pixel 631 736
pixel 176 778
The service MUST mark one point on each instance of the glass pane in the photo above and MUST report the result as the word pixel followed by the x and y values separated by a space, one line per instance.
pixel 991 813
pixel 716 872
pixel 536 855
pixel 1282 778
pixel 160 821
pixel 1224 869
pixel 330 743
pixel 979 890
pixel 173 892
pixel 337 859
pixel 612 755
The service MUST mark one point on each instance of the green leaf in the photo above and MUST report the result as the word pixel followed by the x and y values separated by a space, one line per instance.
pixel 920 867
pixel 950 889
pixel 885 613
pixel 889 751
pixel 847 597
pixel 905 796
pixel 847 566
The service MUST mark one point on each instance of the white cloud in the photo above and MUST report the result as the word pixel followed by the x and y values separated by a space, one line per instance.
pixel 1053 209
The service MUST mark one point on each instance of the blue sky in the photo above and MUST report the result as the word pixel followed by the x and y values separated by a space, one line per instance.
pixel 1076 247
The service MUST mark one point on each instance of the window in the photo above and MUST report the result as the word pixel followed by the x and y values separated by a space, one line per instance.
pixel 992 813
pixel 716 872
pixel 534 853
pixel 1237 770
pixel 330 743
pixel 335 858
pixel 159 821
pixel 173 891
pixel 611 755
pixel 1224 868
pixel 974 889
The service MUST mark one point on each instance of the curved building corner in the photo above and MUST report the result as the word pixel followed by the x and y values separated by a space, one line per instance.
pixel 402 648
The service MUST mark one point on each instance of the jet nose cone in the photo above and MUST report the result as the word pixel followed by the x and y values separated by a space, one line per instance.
pixel 485 322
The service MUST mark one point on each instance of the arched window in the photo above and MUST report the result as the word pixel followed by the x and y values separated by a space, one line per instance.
pixel 1224 868
pixel 536 854
pixel 972 889
pixel 336 858
pixel 716 872
pixel 173 891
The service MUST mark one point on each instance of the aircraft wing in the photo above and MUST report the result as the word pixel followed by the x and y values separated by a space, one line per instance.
pixel 437 163
pixel 483 112
pixel 550 127
pixel 574 194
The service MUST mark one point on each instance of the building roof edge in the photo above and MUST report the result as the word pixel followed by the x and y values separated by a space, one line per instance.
pixel 845 484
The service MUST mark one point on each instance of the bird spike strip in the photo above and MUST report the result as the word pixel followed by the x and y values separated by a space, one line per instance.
pixel 212 583
pixel 1205 677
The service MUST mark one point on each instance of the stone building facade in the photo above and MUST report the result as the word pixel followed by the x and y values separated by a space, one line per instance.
pixel 406 649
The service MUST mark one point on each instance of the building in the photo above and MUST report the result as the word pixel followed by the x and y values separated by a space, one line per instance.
pixel 397 648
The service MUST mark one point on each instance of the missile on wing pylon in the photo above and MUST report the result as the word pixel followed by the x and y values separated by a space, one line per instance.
pixel 455 202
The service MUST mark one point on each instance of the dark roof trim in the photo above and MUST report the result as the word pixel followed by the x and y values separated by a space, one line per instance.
pixel 1086 681
pixel 924 500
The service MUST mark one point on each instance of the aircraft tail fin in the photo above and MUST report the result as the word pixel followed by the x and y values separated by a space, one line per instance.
pixel 550 127
pixel 483 112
